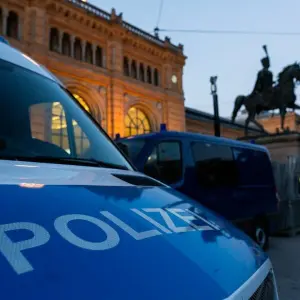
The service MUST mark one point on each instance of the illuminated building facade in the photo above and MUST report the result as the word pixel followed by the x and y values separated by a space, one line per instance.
pixel 129 80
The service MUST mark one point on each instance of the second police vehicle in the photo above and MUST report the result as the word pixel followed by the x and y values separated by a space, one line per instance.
pixel 78 222
pixel 234 179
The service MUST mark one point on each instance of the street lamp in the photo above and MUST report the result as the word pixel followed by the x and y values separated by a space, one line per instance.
pixel 213 82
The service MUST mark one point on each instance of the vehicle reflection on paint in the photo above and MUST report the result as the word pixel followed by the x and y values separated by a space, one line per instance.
pixel 222 230
pixel 31 185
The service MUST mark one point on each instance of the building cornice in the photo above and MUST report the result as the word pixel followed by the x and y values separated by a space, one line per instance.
pixel 96 21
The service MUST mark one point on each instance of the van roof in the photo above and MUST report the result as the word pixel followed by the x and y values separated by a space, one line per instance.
pixel 196 136
pixel 10 54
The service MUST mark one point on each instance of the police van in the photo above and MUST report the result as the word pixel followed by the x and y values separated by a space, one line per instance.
pixel 232 178
pixel 78 222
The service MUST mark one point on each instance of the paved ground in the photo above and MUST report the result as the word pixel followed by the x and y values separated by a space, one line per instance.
pixel 285 256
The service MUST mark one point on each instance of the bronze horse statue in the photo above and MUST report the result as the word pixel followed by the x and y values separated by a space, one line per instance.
pixel 281 97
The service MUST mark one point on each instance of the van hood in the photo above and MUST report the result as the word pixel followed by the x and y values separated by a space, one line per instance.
pixel 111 238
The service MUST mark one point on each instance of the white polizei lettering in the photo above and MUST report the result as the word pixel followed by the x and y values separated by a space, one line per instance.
pixel 12 251
pixel 150 220
pixel 168 220
pixel 214 226
pixel 188 219
pixel 112 237
pixel 136 235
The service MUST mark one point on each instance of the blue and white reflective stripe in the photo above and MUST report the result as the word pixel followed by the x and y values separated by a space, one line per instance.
pixel 3 40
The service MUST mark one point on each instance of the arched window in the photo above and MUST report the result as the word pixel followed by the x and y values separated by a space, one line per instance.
pixel 133 69
pixel 66 44
pixel 156 77
pixel 54 40
pixel 88 53
pixel 136 122
pixel 13 25
pixel 142 73
pixel 77 49
pixel 149 75
pixel 126 66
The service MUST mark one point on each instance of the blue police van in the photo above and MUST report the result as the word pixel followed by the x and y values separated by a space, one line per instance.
pixel 77 221
pixel 234 179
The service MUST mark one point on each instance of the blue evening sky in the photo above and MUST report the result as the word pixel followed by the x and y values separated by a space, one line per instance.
pixel 234 58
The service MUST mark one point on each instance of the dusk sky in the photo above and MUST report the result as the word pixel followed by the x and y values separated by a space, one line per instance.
pixel 234 58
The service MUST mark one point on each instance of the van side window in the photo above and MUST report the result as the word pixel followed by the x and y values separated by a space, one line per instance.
pixel 254 167
pixel 165 162
pixel 214 165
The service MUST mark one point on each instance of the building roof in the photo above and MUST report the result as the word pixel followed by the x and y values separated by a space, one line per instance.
pixel 102 14
pixel 198 115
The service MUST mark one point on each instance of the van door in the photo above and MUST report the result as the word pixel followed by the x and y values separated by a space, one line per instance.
pixel 165 163
pixel 256 193
pixel 215 177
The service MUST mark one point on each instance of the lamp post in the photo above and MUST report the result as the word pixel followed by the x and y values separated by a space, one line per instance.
pixel 213 82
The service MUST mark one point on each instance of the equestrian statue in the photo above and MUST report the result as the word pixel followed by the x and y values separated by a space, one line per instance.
pixel 269 95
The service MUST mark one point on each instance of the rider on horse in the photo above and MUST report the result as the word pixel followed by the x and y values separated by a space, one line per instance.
pixel 264 81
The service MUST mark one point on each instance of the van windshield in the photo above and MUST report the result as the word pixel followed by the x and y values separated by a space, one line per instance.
pixel 40 121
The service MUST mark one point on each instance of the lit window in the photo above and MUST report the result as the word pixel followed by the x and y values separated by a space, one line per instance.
pixel 136 122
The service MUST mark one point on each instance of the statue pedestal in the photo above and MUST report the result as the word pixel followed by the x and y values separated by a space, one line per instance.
pixel 285 155
pixel 281 145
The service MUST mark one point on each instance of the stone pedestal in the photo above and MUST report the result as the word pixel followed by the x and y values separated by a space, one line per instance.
pixel 281 146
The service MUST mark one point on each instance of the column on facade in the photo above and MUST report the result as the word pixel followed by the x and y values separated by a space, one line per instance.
pixel 129 66
pixel 137 70
pixel 60 41
pixel 167 76
pixel 36 27
pixel 102 118
pixel 152 75
pixel 113 56
pixel 103 57
pixel 115 92
pixel 20 27
pixel 72 39
pixel 83 47
pixel 4 20
pixel 29 31
pixel 180 81
pixel 117 113
pixel 94 53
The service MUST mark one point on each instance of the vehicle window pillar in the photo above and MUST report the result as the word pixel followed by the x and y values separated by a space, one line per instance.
pixel 71 135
